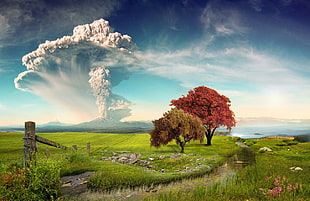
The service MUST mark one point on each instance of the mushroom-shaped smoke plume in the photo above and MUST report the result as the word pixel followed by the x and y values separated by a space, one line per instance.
pixel 79 71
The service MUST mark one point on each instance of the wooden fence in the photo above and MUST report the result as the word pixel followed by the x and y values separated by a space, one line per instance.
pixel 30 143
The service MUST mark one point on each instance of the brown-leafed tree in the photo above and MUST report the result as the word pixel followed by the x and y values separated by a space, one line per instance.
pixel 176 125
pixel 210 107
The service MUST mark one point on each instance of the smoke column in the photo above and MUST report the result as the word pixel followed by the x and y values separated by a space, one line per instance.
pixel 78 72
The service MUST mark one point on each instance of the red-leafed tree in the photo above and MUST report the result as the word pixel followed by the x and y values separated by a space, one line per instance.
pixel 210 107
pixel 176 125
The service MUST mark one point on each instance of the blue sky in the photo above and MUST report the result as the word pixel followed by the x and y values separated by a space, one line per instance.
pixel 256 52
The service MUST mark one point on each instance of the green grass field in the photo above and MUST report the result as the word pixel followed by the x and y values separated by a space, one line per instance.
pixel 249 184
pixel 111 175
pixel 270 178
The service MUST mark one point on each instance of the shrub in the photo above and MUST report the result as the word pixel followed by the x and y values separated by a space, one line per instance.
pixel 287 143
pixel 41 181
pixel 44 179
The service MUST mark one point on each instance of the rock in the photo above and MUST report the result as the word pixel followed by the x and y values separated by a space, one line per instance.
pixel 163 171
pixel 150 166
pixel 241 144
pixel 175 155
pixel 294 169
pixel 161 157
pixel 130 158
pixel 151 159
pixel 265 149
pixel 124 158
pixel 143 162
pixel 106 158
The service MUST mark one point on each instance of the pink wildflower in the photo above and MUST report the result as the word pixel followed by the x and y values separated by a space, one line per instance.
pixel 267 178
pixel 289 187
pixel 271 192
pixel 276 182
pixel 279 189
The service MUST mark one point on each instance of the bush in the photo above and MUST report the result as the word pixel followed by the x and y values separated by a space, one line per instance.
pixel 41 181
pixel 44 179
pixel 287 143
pixel 76 162
pixel 250 142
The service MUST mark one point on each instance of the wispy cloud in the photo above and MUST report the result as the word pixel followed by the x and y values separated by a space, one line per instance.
pixel 220 18
pixel 20 16
pixel 256 5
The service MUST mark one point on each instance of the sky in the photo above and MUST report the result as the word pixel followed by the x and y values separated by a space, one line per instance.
pixel 74 61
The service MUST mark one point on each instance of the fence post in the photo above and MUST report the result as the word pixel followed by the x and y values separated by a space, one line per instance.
pixel 30 146
pixel 48 152
pixel 88 147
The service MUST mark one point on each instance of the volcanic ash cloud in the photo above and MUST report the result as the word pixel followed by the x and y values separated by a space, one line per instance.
pixel 78 72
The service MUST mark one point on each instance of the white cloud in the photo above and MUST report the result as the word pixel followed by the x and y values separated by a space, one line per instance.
pixel 222 19
pixel 78 72
pixel 192 66
pixel 256 5
pixel 147 111
pixel 37 19
pixel 4 26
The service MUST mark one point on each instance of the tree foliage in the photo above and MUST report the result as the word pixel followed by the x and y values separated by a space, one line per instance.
pixel 210 107
pixel 176 125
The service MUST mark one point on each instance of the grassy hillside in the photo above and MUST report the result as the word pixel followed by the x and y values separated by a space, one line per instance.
pixel 11 154
pixel 256 182
pixel 273 177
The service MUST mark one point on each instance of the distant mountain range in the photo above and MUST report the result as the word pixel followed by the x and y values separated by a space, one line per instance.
pixel 110 126
pixel 92 126
pixel 97 125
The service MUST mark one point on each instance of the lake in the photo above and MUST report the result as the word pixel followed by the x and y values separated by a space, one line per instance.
pixel 259 131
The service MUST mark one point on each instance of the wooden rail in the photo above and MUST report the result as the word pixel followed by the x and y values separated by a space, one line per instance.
pixel 49 142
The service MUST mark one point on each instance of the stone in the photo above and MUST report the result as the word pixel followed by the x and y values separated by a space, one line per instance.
pixel 265 149
pixel 241 144
pixel 143 162
pixel 150 166
pixel 294 168
pixel 124 158
pixel 161 157
pixel 175 155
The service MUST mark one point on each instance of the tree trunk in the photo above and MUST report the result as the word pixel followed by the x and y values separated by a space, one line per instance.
pixel 181 143
pixel 209 138
pixel 182 148
pixel 209 135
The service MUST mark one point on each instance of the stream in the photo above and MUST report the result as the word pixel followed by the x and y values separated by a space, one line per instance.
pixel 234 164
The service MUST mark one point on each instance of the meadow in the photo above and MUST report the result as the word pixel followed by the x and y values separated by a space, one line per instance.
pixel 270 178
pixel 198 158
pixel 280 174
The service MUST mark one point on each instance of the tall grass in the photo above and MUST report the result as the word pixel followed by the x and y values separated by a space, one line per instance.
pixel 269 179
